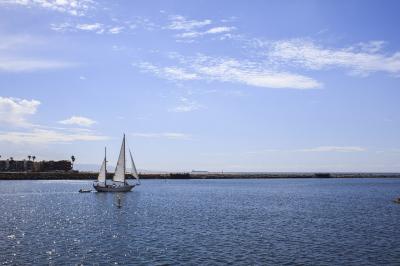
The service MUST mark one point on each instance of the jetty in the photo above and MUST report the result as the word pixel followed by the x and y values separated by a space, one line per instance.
pixel 74 175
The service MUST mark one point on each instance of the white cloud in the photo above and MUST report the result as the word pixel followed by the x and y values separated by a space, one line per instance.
pixel 115 30
pixel 142 22
pixel 178 73
pixel 170 73
pixel 191 29
pixel 250 73
pixel 372 46
pixel 216 30
pixel 186 106
pixel 98 28
pixel 42 136
pixel 167 135
pixel 61 27
pixel 148 67
pixel 89 27
pixel 178 22
pixel 189 35
pixel 15 111
pixel 231 70
pixel 79 121
pixel 72 7
pixel 115 26
pixel 360 59
pixel 195 34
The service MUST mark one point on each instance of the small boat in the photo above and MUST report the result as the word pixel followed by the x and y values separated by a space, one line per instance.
pixel 82 190
pixel 119 183
pixel 397 200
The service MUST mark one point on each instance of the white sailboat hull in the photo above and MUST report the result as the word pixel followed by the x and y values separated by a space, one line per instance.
pixel 112 188
pixel 119 182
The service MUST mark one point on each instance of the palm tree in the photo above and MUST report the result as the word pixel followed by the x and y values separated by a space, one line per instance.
pixel 73 160
pixel 33 157
pixel 29 157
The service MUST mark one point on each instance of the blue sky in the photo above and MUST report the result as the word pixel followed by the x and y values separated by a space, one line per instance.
pixel 207 85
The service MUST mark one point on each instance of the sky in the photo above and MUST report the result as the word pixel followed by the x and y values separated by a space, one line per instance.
pixel 277 86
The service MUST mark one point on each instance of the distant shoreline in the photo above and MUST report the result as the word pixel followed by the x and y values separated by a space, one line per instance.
pixel 93 175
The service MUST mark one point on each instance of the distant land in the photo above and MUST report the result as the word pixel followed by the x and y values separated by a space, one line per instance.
pixel 186 175
pixel 110 168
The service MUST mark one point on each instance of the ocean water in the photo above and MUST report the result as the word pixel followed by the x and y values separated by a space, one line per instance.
pixel 209 222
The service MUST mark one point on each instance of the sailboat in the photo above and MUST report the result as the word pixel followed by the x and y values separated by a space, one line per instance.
pixel 119 183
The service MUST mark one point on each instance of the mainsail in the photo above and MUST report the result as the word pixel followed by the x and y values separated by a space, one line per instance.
pixel 134 171
pixel 119 175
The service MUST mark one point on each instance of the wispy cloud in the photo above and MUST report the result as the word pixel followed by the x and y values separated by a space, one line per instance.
pixel 15 111
pixel 142 22
pixel 115 30
pixel 112 26
pixel 360 59
pixel 232 70
pixel 250 73
pixel 178 22
pixel 89 27
pixel 166 135
pixel 195 34
pixel 72 7
pixel 178 73
pixel 79 121
pixel 95 27
pixel 186 105
pixel 216 30
pixel 42 136
pixel 61 27
pixel 170 73
pixel 191 29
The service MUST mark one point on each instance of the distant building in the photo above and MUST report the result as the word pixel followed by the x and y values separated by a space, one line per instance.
pixel 30 166
pixel 50 166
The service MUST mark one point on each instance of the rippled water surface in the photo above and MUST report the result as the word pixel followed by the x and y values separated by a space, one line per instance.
pixel 285 221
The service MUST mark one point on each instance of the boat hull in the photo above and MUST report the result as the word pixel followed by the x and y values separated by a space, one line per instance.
pixel 110 188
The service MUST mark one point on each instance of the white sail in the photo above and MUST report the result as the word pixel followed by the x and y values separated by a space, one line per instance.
pixel 102 174
pixel 134 172
pixel 119 175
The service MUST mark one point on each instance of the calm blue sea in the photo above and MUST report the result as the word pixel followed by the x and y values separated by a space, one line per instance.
pixel 209 222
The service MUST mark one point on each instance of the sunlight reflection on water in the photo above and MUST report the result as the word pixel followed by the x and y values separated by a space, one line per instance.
pixel 309 221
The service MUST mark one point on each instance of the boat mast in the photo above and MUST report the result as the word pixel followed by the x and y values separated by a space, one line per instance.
pixel 105 165
pixel 124 161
